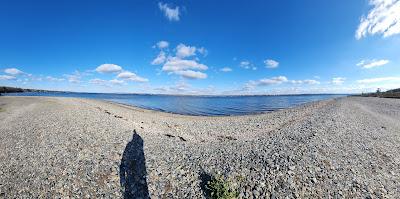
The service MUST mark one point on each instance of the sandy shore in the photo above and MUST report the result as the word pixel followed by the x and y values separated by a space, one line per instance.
pixel 59 147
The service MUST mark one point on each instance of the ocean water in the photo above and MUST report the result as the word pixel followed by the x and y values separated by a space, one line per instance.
pixel 198 105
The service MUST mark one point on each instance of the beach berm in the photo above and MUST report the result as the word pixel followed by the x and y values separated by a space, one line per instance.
pixel 80 148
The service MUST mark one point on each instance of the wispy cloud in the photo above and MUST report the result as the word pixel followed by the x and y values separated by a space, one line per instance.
pixel 250 85
pixel 161 57
pixel 202 51
pixel 13 71
pixel 383 18
pixel 54 79
pixel 273 80
pixel 247 65
pixel 130 76
pixel 306 81
pixel 182 87
pixel 172 14
pixel 372 63
pixel 338 80
pixel 108 68
pixel 74 78
pixel 277 80
pixel 379 80
pixel 107 83
pixel 7 77
pixel 270 63
pixel 179 87
pixel 226 69
pixel 116 82
pixel 98 81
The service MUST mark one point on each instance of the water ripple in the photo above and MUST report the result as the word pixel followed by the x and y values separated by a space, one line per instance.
pixel 198 105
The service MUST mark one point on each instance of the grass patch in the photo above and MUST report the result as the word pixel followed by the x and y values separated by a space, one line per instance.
pixel 2 109
pixel 221 188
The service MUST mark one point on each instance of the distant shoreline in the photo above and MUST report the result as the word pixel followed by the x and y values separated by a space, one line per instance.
pixel 20 90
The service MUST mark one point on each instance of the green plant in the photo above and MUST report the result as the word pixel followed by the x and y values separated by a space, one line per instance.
pixel 221 188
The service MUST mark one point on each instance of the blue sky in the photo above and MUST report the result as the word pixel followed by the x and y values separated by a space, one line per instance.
pixel 201 47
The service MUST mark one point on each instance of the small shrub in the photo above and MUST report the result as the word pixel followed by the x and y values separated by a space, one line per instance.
pixel 221 188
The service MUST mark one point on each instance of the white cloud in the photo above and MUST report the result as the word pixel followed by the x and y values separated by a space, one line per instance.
pixel 98 81
pixel 13 71
pixel 250 85
pixel 107 83
pixel 306 81
pixel 379 80
pixel 54 79
pixel 270 63
pixel 182 88
pixel 178 88
pixel 116 81
pixel 183 51
pixel 202 51
pixel 273 80
pixel 108 68
pixel 191 74
pixel 171 13
pixel 185 68
pixel 162 44
pixel 245 64
pixel 178 64
pixel 383 18
pixel 6 77
pixel 311 81
pixel 338 80
pixel 265 82
pixel 159 59
pixel 131 77
pixel 74 78
pixel 372 63
pixel 226 69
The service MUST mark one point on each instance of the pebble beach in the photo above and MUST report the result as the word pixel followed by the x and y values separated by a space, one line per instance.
pixel 80 148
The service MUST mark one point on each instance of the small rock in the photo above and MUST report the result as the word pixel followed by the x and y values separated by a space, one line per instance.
pixel 313 180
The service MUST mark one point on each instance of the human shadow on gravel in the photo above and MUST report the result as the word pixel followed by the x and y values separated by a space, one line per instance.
pixel 132 170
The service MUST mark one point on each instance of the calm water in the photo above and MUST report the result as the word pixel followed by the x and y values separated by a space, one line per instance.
pixel 199 105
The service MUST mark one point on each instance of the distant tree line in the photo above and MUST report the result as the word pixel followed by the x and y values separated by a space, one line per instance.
pixel 394 93
pixel 7 89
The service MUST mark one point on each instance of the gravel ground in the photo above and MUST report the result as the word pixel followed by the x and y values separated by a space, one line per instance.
pixel 80 148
